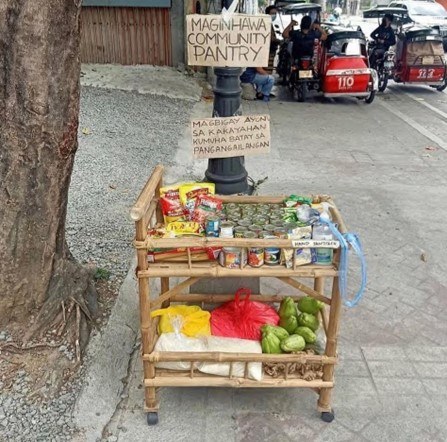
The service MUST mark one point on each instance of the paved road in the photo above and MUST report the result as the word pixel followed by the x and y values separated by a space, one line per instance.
pixel 385 165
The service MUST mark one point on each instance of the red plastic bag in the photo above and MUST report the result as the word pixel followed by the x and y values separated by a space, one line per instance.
pixel 242 318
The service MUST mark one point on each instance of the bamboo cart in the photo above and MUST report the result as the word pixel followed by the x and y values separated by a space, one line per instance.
pixel 146 213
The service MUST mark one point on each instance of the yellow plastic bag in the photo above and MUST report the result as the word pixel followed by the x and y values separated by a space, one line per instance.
pixel 194 320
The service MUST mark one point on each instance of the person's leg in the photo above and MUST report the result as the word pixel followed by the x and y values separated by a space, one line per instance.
pixel 264 84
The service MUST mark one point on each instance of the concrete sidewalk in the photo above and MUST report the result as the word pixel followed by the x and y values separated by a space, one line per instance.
pixel 391 383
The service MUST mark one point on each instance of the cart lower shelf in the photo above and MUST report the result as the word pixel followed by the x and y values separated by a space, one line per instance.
pixel 167 378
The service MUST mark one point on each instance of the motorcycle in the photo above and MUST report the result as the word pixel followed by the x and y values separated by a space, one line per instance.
pixel 384 64
pixel 302 78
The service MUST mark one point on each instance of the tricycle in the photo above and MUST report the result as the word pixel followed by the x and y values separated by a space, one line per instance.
pixel 420 57
pixel 339 68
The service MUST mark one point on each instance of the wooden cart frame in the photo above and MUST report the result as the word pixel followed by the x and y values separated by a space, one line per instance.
pixel 146 213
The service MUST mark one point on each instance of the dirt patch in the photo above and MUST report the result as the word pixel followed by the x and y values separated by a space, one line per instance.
pixel 50 362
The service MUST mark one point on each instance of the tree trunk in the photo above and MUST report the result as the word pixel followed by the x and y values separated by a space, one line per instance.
pixel 39 109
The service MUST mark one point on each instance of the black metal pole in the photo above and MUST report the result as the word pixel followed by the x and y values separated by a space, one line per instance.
pixel 228 174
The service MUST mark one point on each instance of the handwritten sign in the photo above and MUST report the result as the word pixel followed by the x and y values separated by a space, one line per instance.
pixel 311 243
pixel 230 136
pixel 241 41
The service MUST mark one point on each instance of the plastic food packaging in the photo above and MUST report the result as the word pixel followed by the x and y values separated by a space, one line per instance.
pixel 193 320
pixel 232 345
pixel 180 228
pixel 206 206
pixel 242 318
pixel 171 206
pixel 190 192
pixel 179 342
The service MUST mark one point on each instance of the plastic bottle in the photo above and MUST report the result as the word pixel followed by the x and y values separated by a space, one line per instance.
pixel 322 232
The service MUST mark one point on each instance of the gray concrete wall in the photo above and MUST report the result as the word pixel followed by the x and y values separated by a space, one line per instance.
pixel 178 32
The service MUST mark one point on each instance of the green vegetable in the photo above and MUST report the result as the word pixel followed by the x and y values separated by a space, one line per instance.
pixel 287 308
pixel 309 336
pixel 293 343
pixel 290 323
pixel 308 320
pixel 280 332
pixel 310 305
pixel 271 344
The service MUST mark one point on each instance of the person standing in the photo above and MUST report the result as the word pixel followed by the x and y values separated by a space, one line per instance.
pixel 274 40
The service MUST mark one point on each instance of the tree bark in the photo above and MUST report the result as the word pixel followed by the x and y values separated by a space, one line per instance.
pixel 39 109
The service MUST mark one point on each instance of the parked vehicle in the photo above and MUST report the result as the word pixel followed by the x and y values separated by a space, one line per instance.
pixel 420 57
pixel 344 67
pixel 426 13
pixel 384 65
pixel 339 68
pixel 288 13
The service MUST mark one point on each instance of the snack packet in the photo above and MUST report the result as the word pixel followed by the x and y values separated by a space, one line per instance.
pixel 191 191
pixel 296 200
pixel 181 228
pixel 170 204
pixel 206 205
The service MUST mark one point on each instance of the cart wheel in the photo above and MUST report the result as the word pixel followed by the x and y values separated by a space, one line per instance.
pixel 152 418
pixel 327 416
pixel 370 98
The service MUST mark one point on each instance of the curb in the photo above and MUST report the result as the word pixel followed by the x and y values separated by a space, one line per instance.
pixel 107 359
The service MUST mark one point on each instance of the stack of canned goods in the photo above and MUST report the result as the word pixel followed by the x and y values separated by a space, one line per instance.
pixel 267 221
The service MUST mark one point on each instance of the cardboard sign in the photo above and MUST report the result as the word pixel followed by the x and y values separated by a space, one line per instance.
pixel 230 136
pixel 241 41
pixel 311 243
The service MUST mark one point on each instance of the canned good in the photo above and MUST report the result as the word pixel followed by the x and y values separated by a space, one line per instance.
pixel 267 235
pixel 244 222
pixel 234 213
pixel 239 231
pixel 232 206
pixel 278 223
pixel 261 220
pixel 249 234
pixel 233 257
pixel 271 256
pixel 269 228
pixel 212 224
pixel 280 232
pixel 255 256
pixel 226 229
pixel 255 229
pixel 263 207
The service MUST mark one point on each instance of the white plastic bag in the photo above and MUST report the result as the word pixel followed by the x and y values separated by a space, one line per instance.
pixel 178 342
pixel 232 345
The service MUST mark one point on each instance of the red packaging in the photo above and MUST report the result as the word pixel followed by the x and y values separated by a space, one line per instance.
pixel 242 318
pixel 170 204
pixel 206 205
